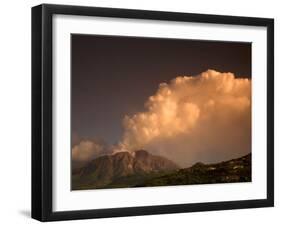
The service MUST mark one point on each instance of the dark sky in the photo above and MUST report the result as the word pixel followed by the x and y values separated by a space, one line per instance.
pixel 113 76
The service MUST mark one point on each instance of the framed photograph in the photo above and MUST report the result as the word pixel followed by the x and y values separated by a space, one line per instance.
pixel 146 112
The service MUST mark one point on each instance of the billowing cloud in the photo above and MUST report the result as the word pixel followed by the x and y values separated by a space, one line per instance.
pixel 194 118
pixel 87 150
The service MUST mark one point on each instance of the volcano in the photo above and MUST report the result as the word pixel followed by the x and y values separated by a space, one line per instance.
pixel 121 169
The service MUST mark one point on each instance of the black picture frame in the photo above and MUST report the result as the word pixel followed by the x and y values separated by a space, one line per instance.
pixel 42 107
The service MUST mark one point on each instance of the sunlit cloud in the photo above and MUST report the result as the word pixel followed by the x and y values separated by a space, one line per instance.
pixel 87 150
pixel 194 118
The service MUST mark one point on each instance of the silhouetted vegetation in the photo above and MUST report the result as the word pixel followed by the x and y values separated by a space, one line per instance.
pixel 235 170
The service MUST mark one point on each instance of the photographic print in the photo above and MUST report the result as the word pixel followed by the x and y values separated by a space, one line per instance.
pixel 138 112
pixel 159 112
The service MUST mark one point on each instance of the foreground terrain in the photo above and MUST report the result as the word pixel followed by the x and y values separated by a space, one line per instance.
pixel 141 169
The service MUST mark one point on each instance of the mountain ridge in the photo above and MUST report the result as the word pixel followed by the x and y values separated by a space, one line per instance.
pixel 231 171
pixel 105 169
pixel 142 169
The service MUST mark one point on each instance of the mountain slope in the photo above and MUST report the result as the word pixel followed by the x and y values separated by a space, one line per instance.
pixel 121 169
pixel 141 169
pixel 235 170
